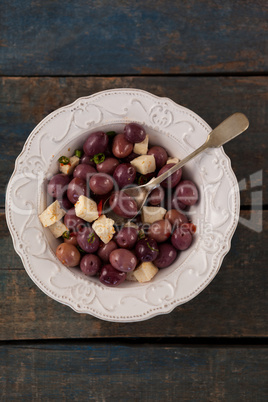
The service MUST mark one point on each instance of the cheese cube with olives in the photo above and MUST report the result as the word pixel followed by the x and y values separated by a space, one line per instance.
pixel 131 277
pixel 172 160
pixel 52 214
pixel 69 167
pixel 86 208
pixel 141 148
pixel 145 272
pixel 144 164
pixel 58 228
pixel 104 228
pixel 152 214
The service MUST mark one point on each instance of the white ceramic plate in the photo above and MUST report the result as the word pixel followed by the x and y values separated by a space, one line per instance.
pixel 180 131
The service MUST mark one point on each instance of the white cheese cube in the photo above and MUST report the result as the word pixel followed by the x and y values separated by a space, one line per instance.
pixel 58 228
pixel 145 272
pixel 86 209
pixel 141 148
pixel 144 164
pixel 52 214
pixel 152 214
pixel 104 228
pixel 131 277
pixel 69 168
pixel 172 160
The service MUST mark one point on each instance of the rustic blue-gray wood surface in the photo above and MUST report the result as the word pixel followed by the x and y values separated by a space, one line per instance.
pixel 132 37
pixel 210 56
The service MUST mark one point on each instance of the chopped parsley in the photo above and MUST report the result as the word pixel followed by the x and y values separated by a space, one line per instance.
pixel 80 250
pixel 91 237
pixel 141 235
pixel 151 248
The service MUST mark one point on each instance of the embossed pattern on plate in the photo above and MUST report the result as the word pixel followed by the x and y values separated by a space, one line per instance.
pixel 180 131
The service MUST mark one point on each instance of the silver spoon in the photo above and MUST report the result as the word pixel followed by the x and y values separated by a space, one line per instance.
pixel 230 128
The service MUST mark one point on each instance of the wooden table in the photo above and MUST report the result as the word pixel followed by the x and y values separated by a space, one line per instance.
pixel 211 57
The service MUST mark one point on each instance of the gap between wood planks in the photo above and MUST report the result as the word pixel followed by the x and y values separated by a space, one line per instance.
pixel 208 74
pixel 201 342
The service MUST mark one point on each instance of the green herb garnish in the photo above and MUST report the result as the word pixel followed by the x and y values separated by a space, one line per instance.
pixel 80 250
pixel 64 160
pixel 151 248
pixel 91 237
pixel 111 134
pixel 66 235
pixel 141 235
pixel 98 158
pixel 78 153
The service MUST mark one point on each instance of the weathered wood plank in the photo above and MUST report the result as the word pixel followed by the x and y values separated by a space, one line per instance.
pixel 25 101
pixel 162 37
pixel 115 372
pixel 233 305
pixel 9 258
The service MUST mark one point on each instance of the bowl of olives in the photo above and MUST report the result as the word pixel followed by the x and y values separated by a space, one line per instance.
pixel 72 171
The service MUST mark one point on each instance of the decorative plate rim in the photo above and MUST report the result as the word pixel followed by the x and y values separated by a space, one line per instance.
pixel 169 305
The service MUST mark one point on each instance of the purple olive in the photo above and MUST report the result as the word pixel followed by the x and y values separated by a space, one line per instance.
pixel 160 156
pixel 124 174
pixel 88 240
pixel 73 222
pixel 147 249
pixel 84 171
pixel 58 185
pixel 96 143
pixel 156 196
pixel 175 217
pixel 133 132
pixel 68 255
pixel 65 203
pixel 72 240
pixel 172 180
pixel 167 255
pixel 181 238
pixel 101 183
pixel 110 276
pixel 185 192
pixel 105 250
pixel 121 147
pixel 160 230
pixel 123 205
pixel 123 260
pixel 127 237
pixel 90 264
pixel 107 166
pixel 76 188
pixel 87 160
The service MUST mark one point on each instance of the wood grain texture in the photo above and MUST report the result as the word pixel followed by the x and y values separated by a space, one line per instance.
pixel 132 373
pixel 26 101
pixel 233 305
pixel 9 258
pixel 162 47
pixel 126 37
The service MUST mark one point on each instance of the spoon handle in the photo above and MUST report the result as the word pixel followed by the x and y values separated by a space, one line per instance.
pixel 234 125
